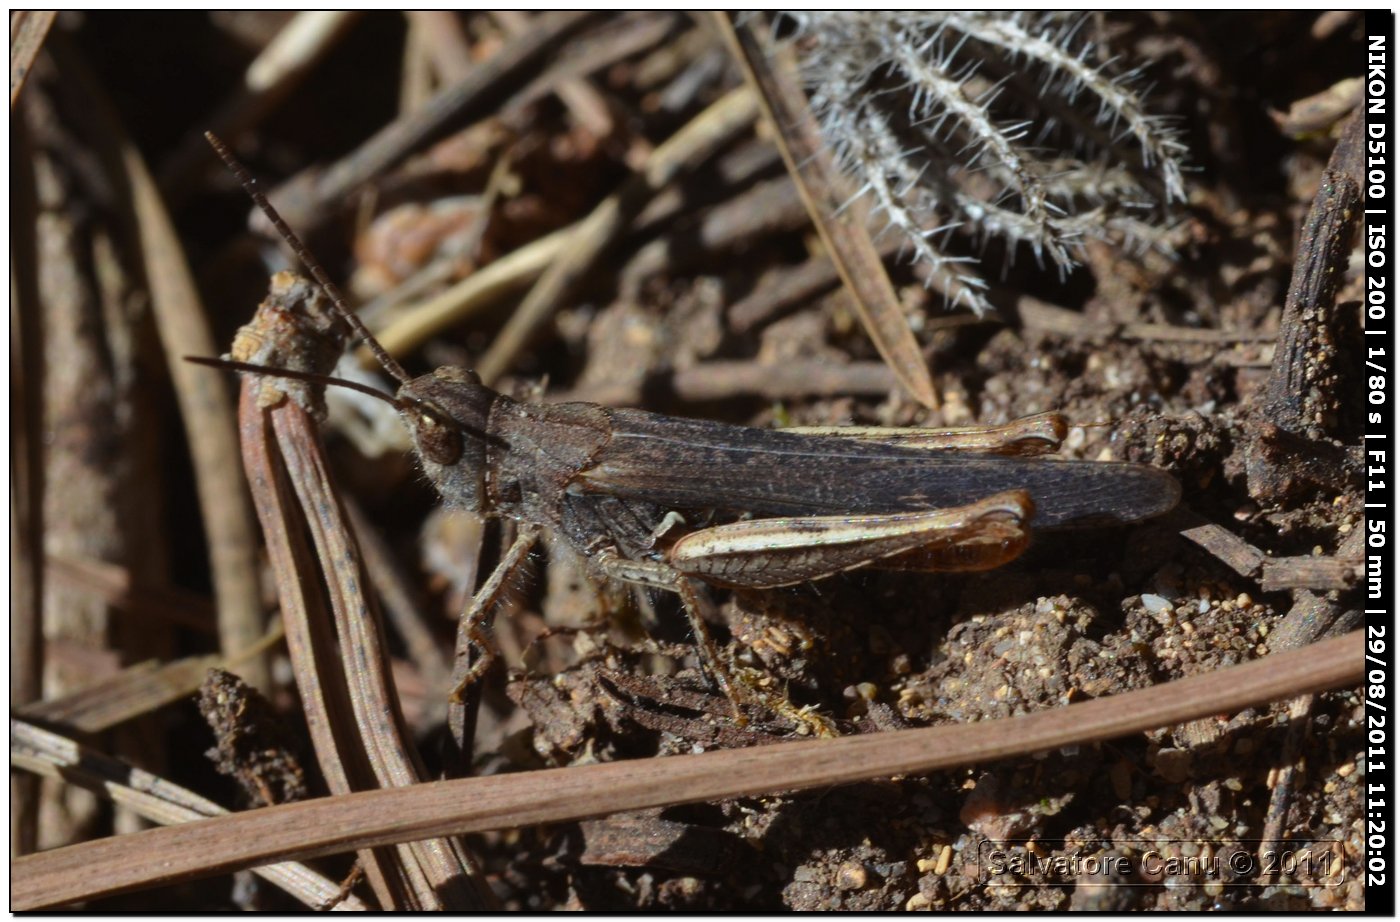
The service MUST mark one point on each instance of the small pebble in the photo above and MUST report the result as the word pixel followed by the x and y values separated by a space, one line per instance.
pixel 945 858
pixel 851 876
pixel 1173 765
pixel 1155 603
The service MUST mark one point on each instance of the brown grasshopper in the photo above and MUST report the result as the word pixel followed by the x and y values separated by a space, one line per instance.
pixel 676 503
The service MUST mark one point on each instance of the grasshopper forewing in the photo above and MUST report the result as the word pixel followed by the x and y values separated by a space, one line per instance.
pixel 694 464
pixel 673 503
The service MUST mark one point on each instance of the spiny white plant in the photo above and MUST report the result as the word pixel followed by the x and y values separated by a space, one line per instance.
pixel 1011 125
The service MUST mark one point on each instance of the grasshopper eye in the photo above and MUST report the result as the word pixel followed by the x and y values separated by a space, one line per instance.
pixel 438 440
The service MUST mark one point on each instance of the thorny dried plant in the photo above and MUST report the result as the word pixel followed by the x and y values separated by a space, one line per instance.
pixel 1016 126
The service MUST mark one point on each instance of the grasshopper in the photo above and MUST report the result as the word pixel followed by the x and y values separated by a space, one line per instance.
pixel 676 504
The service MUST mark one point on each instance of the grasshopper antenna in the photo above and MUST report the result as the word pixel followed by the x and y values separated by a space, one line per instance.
pixel 250 185
pixel 271 372
pixel 330 380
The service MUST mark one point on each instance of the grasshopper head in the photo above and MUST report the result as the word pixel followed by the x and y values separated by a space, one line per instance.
pixel 446 413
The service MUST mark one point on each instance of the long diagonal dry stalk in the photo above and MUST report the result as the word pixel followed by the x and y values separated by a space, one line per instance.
pixel 331 825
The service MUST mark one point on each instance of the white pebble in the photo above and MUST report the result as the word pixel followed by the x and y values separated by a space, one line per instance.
pixel 1155 604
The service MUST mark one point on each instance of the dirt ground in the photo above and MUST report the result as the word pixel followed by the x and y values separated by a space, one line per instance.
pixel 1155 357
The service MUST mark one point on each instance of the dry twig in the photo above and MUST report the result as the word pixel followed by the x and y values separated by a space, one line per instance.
pixel 27 31
pixel 840 220
pixel 306 200
pixel 332 825
pixel 52 756
pixel 26 467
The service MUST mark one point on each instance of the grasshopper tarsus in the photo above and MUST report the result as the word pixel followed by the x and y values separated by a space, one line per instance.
pixel 477 652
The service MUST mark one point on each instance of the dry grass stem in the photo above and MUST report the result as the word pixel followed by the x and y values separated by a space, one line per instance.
pixel 415 325
pixel 329 826
pixel 840 219
pixel 134 691
pixel 335 632
pixel 116 586
pixel 50 755
pixel 27 31
pixel 207 409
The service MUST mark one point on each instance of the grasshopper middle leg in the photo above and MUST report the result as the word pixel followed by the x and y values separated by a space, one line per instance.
pixel 731 684
pixel 663 576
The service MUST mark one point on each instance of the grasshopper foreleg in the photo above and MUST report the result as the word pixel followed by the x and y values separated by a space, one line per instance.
pixel 476 642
